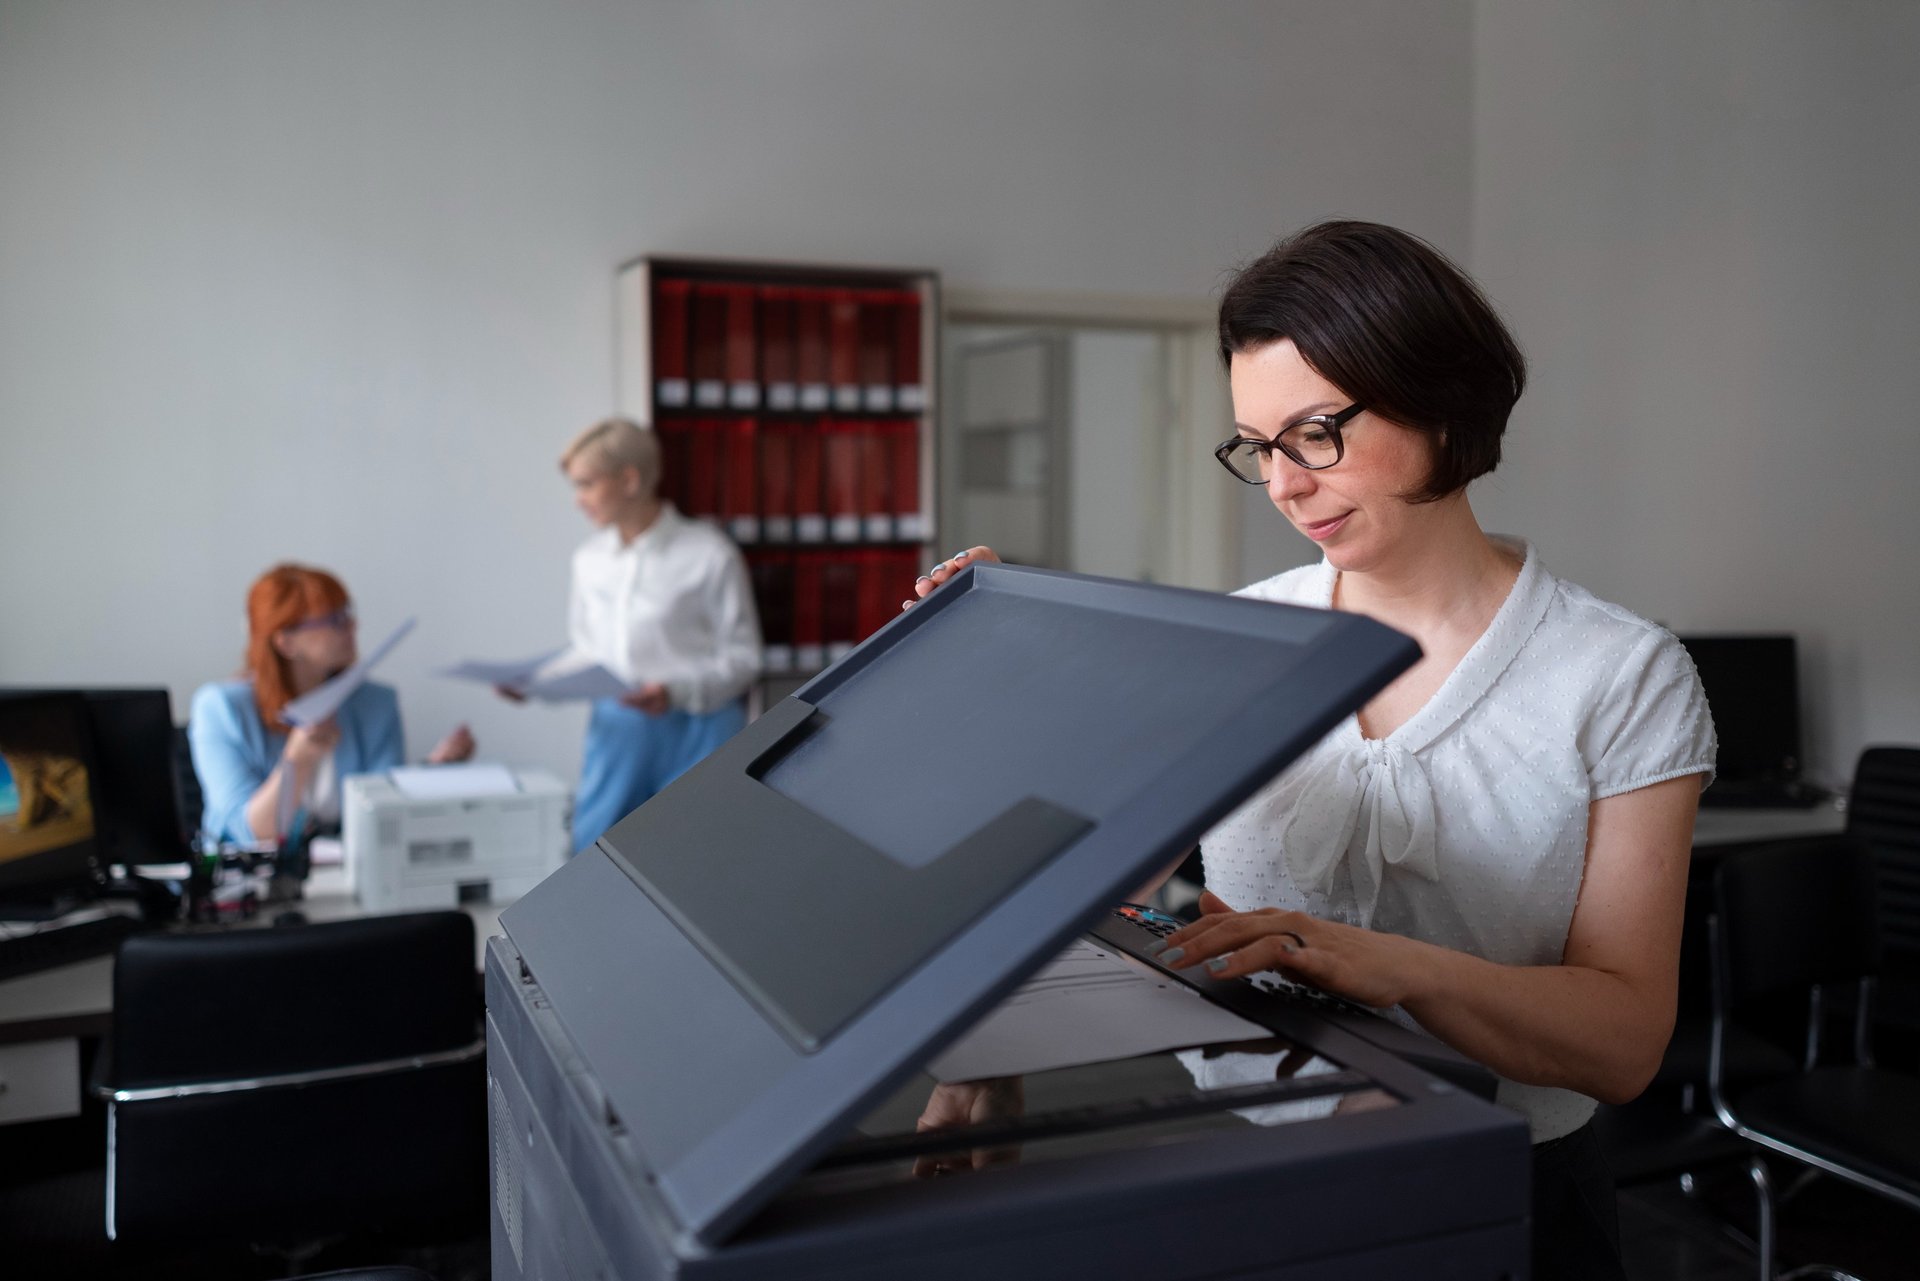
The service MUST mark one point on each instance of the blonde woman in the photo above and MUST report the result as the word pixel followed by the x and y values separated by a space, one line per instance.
pixel 665 604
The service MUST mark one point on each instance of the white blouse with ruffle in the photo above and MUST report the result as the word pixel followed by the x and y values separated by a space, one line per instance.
pixel 1467 826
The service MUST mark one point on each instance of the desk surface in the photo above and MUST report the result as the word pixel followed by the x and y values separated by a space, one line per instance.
pixel 75 1000
pixel 1740 826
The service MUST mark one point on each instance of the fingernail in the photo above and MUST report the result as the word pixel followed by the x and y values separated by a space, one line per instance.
pixel 962 555
pixel 906 604
pixel 936 569
pixel 1217 964
pixel 922 579
pixel 1172 954
pixel 1288 948
pixel 1156 947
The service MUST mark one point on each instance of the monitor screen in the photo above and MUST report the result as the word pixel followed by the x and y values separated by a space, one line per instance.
pixel 139 813
pixel 137 805
pixel 48 838
pixel 1753 689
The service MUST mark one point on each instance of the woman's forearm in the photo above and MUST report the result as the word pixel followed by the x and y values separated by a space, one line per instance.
pixel 263 807
pixel 1561 1025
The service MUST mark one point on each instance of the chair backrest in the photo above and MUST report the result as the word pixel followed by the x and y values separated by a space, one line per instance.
pixel 1792 917
pixel 1883 814
pixel 245 1004
pixel 282 1085
pixel 186 785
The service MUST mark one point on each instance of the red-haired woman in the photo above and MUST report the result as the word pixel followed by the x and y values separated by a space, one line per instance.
pixel 300 633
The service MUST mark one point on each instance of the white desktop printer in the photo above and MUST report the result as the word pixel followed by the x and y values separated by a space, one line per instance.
pixel 410 845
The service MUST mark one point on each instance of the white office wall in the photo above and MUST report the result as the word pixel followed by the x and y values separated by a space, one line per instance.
pixel 1701 220
pixel 333 281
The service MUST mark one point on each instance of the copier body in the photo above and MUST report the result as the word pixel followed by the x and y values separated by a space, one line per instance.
pixel 407 853
pixel 1435 1188
pixel 703 1030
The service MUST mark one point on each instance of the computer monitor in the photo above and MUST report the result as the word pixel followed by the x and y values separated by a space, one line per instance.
pixel 1753 689
pixel 138 808
pixel 137 805
pixel 49 845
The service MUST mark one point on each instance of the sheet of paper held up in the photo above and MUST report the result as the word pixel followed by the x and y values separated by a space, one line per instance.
pixel 1088 1005
pixel 556 676
pixel 452 782
pixel 325 699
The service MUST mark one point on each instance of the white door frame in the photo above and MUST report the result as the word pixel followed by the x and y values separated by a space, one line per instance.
pixel 1203 534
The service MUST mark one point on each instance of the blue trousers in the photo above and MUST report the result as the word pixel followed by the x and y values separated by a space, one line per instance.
pixel 631 755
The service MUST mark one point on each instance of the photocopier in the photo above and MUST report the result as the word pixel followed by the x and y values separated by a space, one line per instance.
pixel 708 1035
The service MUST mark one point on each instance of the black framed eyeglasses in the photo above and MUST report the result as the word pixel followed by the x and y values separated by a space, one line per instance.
pixel 1314 443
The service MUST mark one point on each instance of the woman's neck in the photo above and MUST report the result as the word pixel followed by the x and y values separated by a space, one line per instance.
pixel 305 676
pixel 637 518
pixel 1451 575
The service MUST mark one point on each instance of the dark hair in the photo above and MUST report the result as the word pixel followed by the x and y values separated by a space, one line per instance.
pixel 1387 318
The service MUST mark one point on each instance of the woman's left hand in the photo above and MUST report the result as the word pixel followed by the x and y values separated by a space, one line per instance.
pixel 651 698
pixel 1361 965
pixel 457 746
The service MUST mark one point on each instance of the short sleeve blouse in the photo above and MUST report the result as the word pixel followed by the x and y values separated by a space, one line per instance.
pixel 1467 826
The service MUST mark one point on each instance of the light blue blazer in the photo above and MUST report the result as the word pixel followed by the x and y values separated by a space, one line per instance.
pixel 233 751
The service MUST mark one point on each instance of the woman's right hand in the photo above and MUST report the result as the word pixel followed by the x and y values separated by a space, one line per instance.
pixel 308 745
pixel 924 585
pixel 964 1103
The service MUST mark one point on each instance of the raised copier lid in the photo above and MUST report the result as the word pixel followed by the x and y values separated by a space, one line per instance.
pixel 751 960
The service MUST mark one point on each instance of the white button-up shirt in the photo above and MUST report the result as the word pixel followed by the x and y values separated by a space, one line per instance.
pixel 675 605
pixel 1467 826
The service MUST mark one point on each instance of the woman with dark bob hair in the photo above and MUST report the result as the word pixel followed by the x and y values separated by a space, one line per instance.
pixel 1494 849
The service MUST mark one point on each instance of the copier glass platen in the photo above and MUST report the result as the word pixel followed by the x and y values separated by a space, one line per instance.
pixel 707 1035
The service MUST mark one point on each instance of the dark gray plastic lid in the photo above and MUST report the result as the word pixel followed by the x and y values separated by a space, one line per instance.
pixel 757 955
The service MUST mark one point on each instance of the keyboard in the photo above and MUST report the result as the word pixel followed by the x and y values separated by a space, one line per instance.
pixel 1159 924
pixel 59 945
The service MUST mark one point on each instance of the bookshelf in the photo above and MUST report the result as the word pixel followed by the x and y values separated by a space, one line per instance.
pixel 795 410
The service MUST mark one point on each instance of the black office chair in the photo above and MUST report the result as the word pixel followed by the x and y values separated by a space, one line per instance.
pixel 284 1087
pixel 1792 922
pixel 1653 1139
pixel 1883 814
